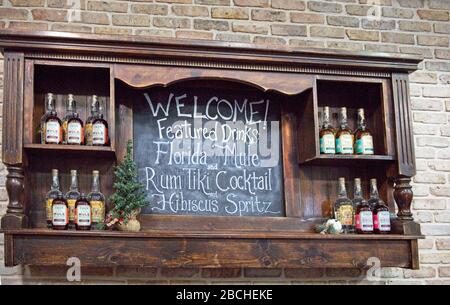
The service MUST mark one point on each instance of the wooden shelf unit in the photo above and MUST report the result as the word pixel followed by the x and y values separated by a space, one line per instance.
pixel 300 81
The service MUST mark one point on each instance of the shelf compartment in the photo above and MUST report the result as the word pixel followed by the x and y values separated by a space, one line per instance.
pixel 224 249
pixel 68 148
pixel 350 160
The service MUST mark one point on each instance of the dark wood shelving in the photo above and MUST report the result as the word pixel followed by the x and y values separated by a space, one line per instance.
pixel 354 160
pixel 68 148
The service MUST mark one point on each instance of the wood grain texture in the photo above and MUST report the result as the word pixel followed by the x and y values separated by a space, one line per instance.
pixel 403 125
pixel 14 65
pixel 210 252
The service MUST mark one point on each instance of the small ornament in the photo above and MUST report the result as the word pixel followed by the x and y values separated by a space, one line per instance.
pixel 331 226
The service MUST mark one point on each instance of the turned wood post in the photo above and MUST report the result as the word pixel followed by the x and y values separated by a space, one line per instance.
pixel 12 140
pixel 403 196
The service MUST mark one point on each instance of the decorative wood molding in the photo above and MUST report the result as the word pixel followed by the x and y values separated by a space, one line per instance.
pixel 15 214
pixel 208 64
pixel 403 125
pixel 13 108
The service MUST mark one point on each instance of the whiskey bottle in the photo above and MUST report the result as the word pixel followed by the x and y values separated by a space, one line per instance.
pixel 326 135
pixel 381 215
pixel 51 195
pixel 100 129
pixel 97 201
pixel 72 196
pixel 83 217
pixel 343 208
pixel 90 119
pixel 363 214
pixel 49 130
pixel 363 137
pixel 70 110
pixel 344 136
pixel 60 213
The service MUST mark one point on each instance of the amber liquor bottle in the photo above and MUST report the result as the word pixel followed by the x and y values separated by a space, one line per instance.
pixel 60 213
pixel 83 215
pixel 343 208
pixel 97 202
pixel 51 195
pixel 100 135
pixel 381 215
pixel 363 212
pixel 344 135
pixel 90 119
pixel 70 110
pixel 50 124
pixel 74 134
pixel 326 134
pixel 72 196
pixel 363 137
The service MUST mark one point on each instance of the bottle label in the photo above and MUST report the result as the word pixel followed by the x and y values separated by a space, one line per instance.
pixel 364 221
pixel 99 134
pixel 88 133
pixel 98 211
pixel 60 215
pixel 48 209
pixel 327 144
pixel 382 221
pixel 364 145
pixel 83 215
pixel 74 133
pixel 52 132
pixel 71 203
pixel 344 144
pixel 345 215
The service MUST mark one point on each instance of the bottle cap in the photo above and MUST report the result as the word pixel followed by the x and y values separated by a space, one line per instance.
pixel 357 180
pixel 341 180
pixel 95 172
pixel 373 181
pixel 54 172
pixel 73 172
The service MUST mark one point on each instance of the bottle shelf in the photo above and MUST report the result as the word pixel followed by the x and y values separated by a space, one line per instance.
pixel 69 148
pixel 353 160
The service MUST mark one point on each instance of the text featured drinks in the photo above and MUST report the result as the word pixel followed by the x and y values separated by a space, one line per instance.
pixel 218 155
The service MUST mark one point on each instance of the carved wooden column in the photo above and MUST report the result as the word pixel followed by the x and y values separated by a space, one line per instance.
pixel 12 140
pixel 403 193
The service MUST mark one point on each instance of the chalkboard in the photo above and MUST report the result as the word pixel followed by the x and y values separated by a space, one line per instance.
pixel 209 148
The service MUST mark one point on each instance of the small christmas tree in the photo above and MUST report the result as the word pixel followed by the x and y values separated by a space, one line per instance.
pixel 130 195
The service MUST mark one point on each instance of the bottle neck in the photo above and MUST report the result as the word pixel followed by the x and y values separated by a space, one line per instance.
pixel 55 183
pixel 342 191
pixel 358 191
pixel 361 121
pixel 74 183
pixel 374 191
pixel 50 105
pixel 95 184
pixel 326 119
pixel 343 119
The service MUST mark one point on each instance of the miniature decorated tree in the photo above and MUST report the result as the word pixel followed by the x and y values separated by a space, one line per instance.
pixel 129 196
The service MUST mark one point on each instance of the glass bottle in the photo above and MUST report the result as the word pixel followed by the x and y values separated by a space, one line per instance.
pixel 51 195
pixel 363 137
pixel 363 212
pixel 72 196
pixel 75 133
pixel 381 215
pixel 97 201
pixel 83 215
pixel 326 135
pixel 70 111
pixel 343 208
pixel 100 129
pixel 344 135
pixel 50 125
pixel 90 119
pixel 60 213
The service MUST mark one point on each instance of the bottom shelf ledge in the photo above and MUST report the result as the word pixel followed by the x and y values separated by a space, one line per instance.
pixel 224 249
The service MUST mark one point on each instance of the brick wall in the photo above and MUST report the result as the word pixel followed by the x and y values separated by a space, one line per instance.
pixel 397 26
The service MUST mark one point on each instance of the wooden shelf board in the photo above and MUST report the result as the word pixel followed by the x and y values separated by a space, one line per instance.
pixel 68 148
pixel 338 159
pixel 210 234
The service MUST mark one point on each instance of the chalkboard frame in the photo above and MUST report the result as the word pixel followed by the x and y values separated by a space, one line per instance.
pixel 292 209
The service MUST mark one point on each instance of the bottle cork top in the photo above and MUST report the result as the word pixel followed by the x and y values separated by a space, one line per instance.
pixel 95 172
pixel 73 172
pixel 341 180
pixel 373 181
pixel 357 180
pixel 54 171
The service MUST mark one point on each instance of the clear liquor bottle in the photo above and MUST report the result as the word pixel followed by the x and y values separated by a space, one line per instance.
pixel 363 212
pixel 344 135
pixel 363 137
pixel 90 119
pixel 51 195
pixel 70 112
pixel 326 134
pixel 72 196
